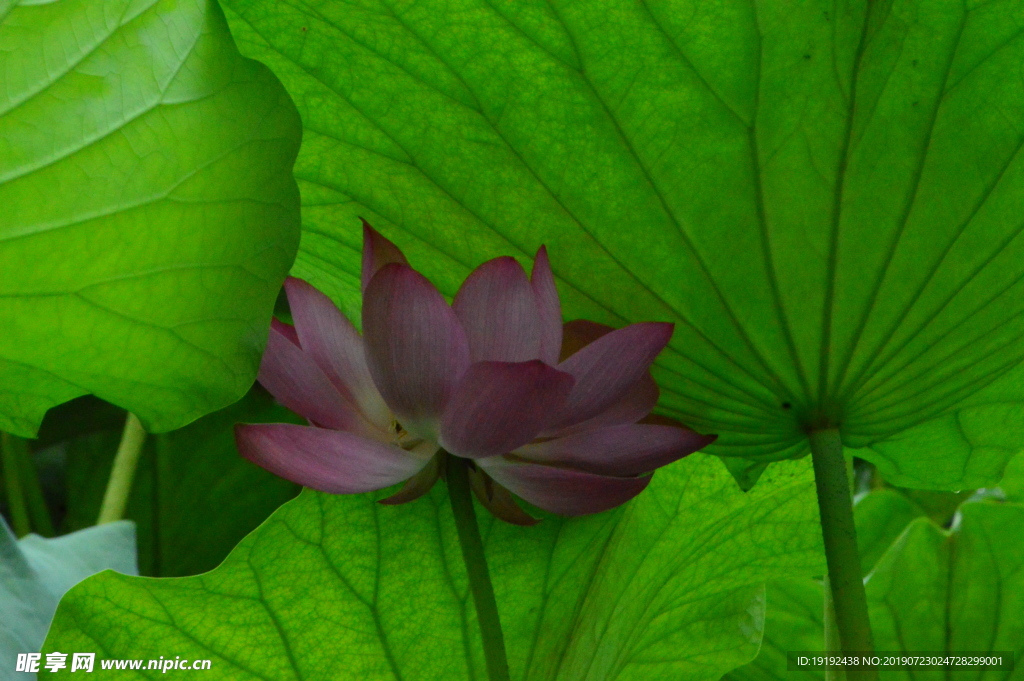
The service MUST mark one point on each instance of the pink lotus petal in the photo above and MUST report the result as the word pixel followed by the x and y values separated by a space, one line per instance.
pixel 415 347
pixel 606 369
pixel 630 449
pixel 637 403
pixel 335 345
pixel 549 308
pixel 498 500
pixel 327 460
pixel 578 334
pixel 562 490
pixel 498 406
pixel 377 252
pixel 416 486
pixel 286 330
pixel 498 309
pixel 295 380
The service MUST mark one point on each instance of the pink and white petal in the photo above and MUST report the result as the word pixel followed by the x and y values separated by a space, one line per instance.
pixel 631 449
pixel 637 403
pixel 337 348
pixel 498 310
pixel 499 406
pixel 578 334
pixel 377 252
pixel 416 486
pixel 549 308
pixel 286 330
pixel 327 460
pixel 415 347
pixel 296 381
pixel 562 490
pixel 607 368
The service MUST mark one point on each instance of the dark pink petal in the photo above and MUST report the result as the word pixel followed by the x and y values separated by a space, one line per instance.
pixel 498 500
pixel 377 252
pixel 578 334
pixel 562 490
pixel 327 460
pixel 335 345
pixel 498 406
pixel 606 369
pixel 630 449
pixel 498 310
pixel 298 383
pixel 415 347
pixel 286 330
pixel 549 308
pixel 637 403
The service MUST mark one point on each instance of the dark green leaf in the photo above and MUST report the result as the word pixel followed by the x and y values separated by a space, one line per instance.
pixel 824 198
pixel 194 497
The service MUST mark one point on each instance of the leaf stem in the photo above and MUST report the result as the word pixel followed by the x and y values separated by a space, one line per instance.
pixel 840 535
pixel 119 486
pixel 457 474
pixel 35 502
pixel 12 485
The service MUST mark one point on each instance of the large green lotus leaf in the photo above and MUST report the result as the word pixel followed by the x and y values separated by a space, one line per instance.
pixel 977 440
pixel 825 200
pixel 1012 483
pixel 954 591
pixel 194 498
pixel 932 590
pixel 35 573
pixel 795 605
pixel 149 211
pixel 669 586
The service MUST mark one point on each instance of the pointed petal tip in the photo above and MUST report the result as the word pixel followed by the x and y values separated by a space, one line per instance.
pixel 286 330
pixel 541 266
pixel 378 251
pixel 497 307
pixel 661 420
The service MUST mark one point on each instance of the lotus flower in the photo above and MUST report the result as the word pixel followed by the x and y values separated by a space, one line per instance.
pixel 547 412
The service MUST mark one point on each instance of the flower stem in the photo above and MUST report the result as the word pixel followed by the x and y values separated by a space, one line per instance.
pixel 840 535
pixel 832 644
pixel 16 505
pixel 476 565
pixel 119 486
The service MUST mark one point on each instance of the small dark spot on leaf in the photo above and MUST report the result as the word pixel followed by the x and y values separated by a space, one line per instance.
pixel 915 103
pixel 807 56
pixel 786 405
pixel 913 62
pixel 304 29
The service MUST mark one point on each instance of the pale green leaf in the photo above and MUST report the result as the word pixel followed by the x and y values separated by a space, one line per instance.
pixel 149 211
pixel 669 586
pixel 35 573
